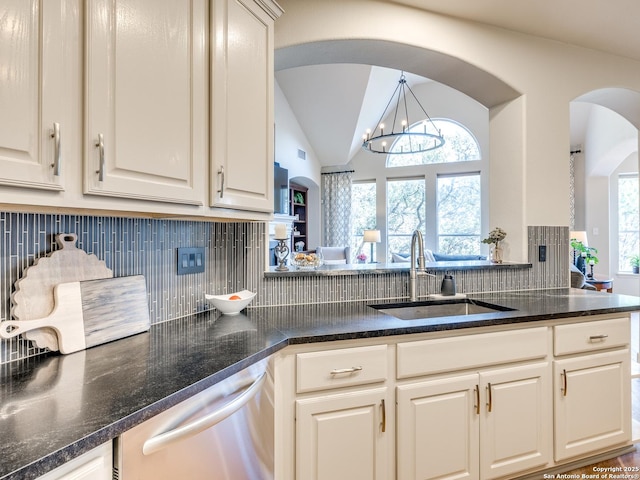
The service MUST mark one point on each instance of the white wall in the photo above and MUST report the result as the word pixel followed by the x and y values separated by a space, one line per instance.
pixel 529 136
pixel 290 138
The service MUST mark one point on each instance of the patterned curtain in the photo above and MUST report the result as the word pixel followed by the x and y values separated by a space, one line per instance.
pixel 336 209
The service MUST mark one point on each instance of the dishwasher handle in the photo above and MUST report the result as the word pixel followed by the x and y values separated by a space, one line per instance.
pixel 165 439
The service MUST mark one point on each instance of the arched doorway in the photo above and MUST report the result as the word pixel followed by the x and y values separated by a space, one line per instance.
pixel 604 142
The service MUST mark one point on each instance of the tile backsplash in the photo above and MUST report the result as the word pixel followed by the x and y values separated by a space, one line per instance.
pixel 132 246
pixel 235 259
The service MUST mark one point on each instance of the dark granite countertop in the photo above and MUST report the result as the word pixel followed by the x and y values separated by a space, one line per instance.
pixel 55 407
pixel 386 268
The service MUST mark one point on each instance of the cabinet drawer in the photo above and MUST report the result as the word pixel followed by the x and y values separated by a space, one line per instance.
pixel 341 368
pixel 589 336
pixel 472 351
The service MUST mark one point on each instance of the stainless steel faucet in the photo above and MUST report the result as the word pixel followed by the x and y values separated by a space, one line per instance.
pixel 413 272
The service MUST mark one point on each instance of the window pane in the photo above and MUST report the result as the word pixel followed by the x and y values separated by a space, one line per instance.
pixel 628 220
pixel 405 212
pixel 460 146
pixel 363 215
pixel 458 213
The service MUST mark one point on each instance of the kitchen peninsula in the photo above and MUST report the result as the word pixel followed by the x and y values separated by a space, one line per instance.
pixel 395 267
pixel 123 383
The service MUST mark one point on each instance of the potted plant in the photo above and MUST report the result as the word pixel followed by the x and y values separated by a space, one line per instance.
pixel 634 261
pixel 362 258
pixel 583 256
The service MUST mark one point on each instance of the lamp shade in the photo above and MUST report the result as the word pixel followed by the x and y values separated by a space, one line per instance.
pixel 372 236
pixel 580 236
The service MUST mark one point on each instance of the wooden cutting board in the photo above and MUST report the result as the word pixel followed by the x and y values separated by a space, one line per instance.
pixel 33 297
pixel 91 313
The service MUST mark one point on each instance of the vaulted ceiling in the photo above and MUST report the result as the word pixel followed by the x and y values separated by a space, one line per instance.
pixel 352 93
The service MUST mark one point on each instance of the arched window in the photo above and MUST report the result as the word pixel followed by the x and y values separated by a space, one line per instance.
pixel 460 146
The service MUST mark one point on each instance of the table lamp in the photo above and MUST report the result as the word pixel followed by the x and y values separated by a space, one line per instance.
pixel 371 236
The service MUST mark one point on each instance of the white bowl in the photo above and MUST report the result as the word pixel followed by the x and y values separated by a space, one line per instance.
pixel 231 307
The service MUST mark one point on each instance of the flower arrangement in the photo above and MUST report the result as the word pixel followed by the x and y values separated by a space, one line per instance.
pixel 362 257
pixel 495 236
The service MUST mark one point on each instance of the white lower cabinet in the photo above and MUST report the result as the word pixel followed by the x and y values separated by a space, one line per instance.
pixel 494 404
pixel 343 436
pixel 437 429
pixel 592 403
pixel 96 464
pixel 483 425
pixel 592 386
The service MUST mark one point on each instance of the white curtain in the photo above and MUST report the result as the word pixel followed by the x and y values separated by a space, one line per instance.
pixel 336 209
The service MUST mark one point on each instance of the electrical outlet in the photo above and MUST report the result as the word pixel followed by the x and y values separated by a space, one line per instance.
pixel 190 260
pixel 542 253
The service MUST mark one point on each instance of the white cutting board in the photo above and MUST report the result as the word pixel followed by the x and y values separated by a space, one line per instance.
pixel 33 296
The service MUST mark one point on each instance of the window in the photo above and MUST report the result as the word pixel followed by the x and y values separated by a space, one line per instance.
pixel 460 146
pixel 628 220
pixel 363 214
pixel 406 212
pixel 458 212
pixel 439 193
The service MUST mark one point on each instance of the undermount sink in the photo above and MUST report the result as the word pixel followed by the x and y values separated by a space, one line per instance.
pixel 438 308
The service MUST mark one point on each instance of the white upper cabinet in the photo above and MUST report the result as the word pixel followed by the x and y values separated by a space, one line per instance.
pixel 175 91
pixel 35 37
pixel 242 104
pixel 146 99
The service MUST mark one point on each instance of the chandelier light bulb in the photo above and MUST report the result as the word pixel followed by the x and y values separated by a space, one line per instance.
pixel 382 129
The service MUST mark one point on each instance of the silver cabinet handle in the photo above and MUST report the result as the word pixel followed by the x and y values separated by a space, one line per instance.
pixel 598 337
pixel 338 371
pixel 100 145
pixel 165 439
pixel 221 174
pixel 55 134
pixel 477 405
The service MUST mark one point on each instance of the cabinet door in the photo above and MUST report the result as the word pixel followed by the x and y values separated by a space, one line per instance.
pixel 343 436
pixel 146 99
pixel 437 429
pixel 96 464
pixel 36 57
pixel 592 403
pixel 515 432
pixel 242 106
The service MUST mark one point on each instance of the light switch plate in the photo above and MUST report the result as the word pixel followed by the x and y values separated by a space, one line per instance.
pixel 190 260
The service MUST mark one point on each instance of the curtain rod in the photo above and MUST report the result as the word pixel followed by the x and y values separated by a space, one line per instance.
pixel 333 173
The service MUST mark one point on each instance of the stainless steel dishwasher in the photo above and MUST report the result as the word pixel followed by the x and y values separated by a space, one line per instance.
pixel 223 433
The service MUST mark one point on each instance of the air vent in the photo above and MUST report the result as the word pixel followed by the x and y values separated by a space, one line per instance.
pixel 302 155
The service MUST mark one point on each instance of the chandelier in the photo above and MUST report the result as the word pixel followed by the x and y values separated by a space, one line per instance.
pixel 401 138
